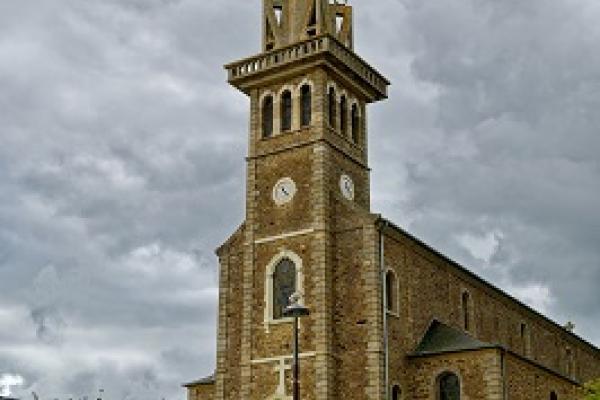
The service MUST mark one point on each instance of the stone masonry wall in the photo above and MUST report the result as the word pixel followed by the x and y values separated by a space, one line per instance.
pixel 230 319
pixel 479 373
pixel 350 320
pixel 525 381
pixel 431 287
pixel 201 392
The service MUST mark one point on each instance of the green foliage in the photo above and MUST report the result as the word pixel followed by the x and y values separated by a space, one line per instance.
pixel 592 390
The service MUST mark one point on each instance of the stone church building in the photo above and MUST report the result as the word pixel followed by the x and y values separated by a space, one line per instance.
pixel 391 318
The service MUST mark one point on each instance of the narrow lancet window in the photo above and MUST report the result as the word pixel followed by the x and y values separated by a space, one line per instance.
pixel 391 289
pixel 525 339
pixel 331 105
pixel 286 111
pixel 306 101
pixel 355 123
pixel 284 285
pixel 267 117
pixel 343 116
pixel 466 309
pixel 569 354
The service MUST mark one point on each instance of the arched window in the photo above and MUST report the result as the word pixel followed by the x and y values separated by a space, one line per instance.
pixel 466 310
pixel 569 354
pixel 525 339
pixel 355 123
pixel 396 392
pixel 284 285
pixel 391 291
pixel 553 396
pixel 343 114
pixel 286 111
pixel 306 101
pixel 449 387
pixel 267 117
pixel 331 105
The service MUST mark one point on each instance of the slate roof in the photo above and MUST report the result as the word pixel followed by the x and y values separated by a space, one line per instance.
pixel 441 338
pixel 209 380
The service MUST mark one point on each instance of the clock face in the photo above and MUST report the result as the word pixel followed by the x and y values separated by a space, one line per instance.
pixel 347 187
pixel 284 191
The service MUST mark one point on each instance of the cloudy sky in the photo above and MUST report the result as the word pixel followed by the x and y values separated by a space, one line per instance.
pixel 121 169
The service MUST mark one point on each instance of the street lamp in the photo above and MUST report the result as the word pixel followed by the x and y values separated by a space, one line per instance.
pixel 296 310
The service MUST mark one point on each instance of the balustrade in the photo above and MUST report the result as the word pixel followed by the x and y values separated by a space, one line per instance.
pixel 300 50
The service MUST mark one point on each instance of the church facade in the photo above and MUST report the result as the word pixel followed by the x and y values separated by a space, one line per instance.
pixel 391 318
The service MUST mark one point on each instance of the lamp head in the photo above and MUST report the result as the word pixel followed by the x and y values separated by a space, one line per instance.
pixel 295 309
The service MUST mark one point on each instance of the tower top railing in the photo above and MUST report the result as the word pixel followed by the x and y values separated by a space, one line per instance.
pixel 248 67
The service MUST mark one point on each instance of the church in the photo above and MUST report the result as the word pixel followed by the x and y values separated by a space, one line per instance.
pixel 390 317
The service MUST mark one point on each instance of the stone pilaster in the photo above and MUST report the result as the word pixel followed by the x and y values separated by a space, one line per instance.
pixel 222 331
pixel 372 276
pixel 248 291
pixel 492 376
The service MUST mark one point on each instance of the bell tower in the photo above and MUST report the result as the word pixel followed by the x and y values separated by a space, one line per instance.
pixel 307 186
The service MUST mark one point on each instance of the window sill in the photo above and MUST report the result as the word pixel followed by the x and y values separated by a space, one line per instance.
pixel 346 138
pixel 285 133
pixel 393 314
pixel 284 321
pixel 279 321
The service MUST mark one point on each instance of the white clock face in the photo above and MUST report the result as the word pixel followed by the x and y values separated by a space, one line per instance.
pixel 284 191
pixel 347 187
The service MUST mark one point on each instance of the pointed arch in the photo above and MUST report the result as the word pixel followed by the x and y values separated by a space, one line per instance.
pixel 392 292
pixel 280 266
pixel 284 286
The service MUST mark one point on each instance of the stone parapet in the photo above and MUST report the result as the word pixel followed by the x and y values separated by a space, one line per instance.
pixel 242 71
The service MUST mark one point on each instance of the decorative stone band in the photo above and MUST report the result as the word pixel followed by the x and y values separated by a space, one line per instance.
pixel 284 236
pixel 263 62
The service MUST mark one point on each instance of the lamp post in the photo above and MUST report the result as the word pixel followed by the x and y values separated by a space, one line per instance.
pixel 296 310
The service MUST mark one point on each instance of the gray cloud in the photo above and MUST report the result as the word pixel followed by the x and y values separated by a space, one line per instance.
pixel 121 169
pixel 505 142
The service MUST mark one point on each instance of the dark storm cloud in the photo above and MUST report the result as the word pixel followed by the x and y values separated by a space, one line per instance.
pixel 121 169
pixel 506 144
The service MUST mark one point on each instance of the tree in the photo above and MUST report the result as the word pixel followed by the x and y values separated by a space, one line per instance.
pixel 592 390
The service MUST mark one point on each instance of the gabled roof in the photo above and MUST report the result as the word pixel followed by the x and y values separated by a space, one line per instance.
pixel 209 380
pixel 441 338
pixel 382 223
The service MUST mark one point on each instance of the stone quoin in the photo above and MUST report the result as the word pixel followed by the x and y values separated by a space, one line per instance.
pixel 391 318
